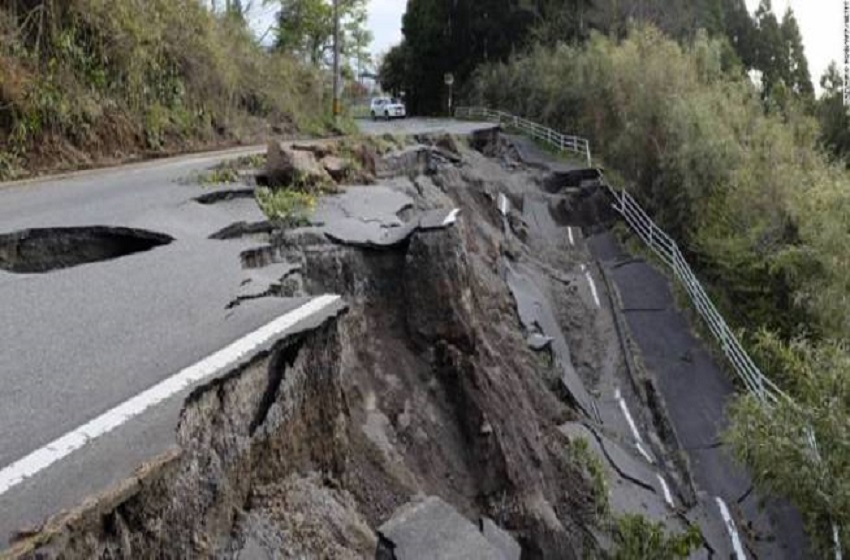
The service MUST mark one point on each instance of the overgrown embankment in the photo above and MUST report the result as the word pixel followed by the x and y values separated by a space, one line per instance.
pixel 84 82
pixel 757 207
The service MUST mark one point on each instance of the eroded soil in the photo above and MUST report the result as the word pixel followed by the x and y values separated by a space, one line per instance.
pixel 429 385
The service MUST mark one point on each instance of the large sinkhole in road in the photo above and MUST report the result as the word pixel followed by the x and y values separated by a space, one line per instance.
pixel 34 251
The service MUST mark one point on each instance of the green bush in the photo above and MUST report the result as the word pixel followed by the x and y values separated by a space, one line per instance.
pixel 591 467
pixel 777 441
pixel 291 207
pixel 637 538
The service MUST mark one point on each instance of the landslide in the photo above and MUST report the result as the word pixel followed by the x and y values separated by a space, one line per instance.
pixel 88 82
pixel 426 386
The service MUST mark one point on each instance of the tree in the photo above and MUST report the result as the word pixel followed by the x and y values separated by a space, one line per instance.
pixel 560 21
pixel 833 117
pixel 305 27
pixel 427 29
pixel 357 39
pixel 393 70
pixel 771 56
pixel 740 29
pixel 237 9
pixel 797 67
pixel 456 37
pixel 802 450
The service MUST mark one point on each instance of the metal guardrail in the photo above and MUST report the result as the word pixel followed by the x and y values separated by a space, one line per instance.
pixel 562 142
pixel 668 251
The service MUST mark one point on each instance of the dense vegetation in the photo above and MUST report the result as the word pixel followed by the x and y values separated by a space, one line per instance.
pixel 442 37
pixel 736 177
pixel 84 80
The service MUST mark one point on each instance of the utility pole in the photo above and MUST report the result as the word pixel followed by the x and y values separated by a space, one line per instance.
pixel 337 81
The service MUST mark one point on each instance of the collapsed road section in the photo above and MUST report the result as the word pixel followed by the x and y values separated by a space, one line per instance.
pixel 47 249
pixel 475 400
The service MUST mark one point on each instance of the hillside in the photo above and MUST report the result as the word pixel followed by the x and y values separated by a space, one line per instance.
pixel 760 210
pixel 86 82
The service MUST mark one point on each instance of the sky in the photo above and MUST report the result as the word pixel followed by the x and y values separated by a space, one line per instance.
pixel 385 23
pixel 822 26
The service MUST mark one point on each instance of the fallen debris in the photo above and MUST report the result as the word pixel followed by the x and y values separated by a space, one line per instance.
pixel 287 166
pixel 431 529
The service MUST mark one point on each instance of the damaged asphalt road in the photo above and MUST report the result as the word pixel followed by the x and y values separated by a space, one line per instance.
pixel 431 366
pixel 85 335
pixel 81 340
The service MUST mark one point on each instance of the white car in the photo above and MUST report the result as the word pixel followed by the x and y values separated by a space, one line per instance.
pixel 388 108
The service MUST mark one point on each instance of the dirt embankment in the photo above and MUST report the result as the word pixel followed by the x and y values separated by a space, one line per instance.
pixel 427 385
pixel 87 83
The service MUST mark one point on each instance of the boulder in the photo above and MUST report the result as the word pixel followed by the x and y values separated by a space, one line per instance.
pixel 448 143
pixel 320 150
pixel 286 166
pixel 336 167
pixel 368 160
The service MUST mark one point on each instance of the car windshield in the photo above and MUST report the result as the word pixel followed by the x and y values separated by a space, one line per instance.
pixel 394 100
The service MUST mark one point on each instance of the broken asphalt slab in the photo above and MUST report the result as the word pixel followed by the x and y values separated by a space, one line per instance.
pixel 431 529
pixel 535 212
pixel 536 315
pixel 371 217
pixel 625 467
pixel 501 539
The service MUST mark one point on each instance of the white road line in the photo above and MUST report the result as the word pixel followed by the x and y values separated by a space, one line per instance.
pixel 451 218
pixel 645 453
pixel 668 497
pixel 572 240
pixel 42 458
pixel 504 204
pixel 733 531
pixel 638 439
pixel 624 407
pixel 593 289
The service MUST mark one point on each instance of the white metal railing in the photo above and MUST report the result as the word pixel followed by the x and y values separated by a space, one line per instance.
pixel 668 251
pixel 562 142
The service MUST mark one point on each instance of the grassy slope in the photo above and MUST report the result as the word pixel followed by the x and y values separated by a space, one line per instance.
pixel 89 81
